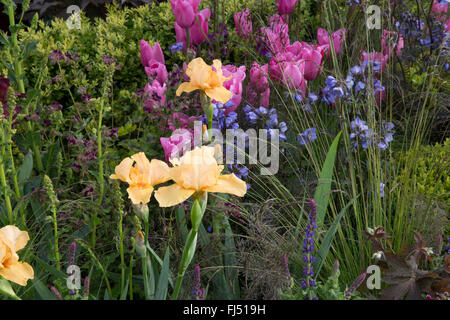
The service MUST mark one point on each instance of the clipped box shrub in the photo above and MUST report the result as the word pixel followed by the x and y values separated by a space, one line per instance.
pixel 117 36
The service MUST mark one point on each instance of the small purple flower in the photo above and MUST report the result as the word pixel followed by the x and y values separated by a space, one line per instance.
pixel 108 60
pixel 55 56
pixel 307 137
pixel 198 292
pixel 56 293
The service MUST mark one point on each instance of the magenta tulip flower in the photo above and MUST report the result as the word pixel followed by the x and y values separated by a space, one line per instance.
pixel 156 94
pixel 285 67
pixel 156 70
pixel 286 6
pixel 185 12
pixel 310 56
pixel 197 34
pixel 276 35
pixel 148 53
pixel 447 25
pixel 177 144
pixel 243 23
pixel 440 10
pixel 234 84
pixel 324 41
pixel 259 85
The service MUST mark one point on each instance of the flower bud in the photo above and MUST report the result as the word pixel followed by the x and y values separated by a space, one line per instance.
pixel 140 243
pixel 196 215
pixel 141 211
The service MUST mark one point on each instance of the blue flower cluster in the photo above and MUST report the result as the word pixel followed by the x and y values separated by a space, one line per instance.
pixel 367 137
pixel 305 105
pixel 268 118
pixel 410 26
pixel 222 121
pixel 354 85
pixel 176 47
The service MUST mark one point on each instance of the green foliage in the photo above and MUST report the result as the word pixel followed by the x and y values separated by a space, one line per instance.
pixel 117 36
pixel 432 170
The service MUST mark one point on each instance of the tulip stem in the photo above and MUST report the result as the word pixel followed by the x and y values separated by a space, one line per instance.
pixel 188 44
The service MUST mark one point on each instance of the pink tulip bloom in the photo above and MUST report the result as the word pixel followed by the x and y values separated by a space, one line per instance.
pixel 148 53
pixel 243 23
pixel 180 120
pixel 234 84
pixel 156 93
pixel 197 36
pixel 439 10
pixel 185 12
pixel 286 6
pixel 447 25
pixel 177 144
pixel 389 40
pixel 259 85
pixel 287 68
pixel 311 57
pixel 324 41
pixel 276 35
pixel 156 70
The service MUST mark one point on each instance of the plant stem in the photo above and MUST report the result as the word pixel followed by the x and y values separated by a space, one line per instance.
pixel 189 248
pixel 188 44
pixel 144 261
pixel 122 258
pixel 3 179
pixel 100 165
pixel 19 76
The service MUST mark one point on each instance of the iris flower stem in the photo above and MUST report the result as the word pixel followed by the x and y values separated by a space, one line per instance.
pixel 208 109
pixel 19 76
pixel 144 261
pixel 191 243
pixel 189 247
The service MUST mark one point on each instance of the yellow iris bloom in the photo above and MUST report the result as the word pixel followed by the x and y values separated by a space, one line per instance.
pixel 198 171
pixel 142 176
pixel 12 239
pixel 203 77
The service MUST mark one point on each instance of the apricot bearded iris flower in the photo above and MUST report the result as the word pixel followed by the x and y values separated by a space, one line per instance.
pixel 141 177
pixel 12 239
pixel 198 171
pixel 203 77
